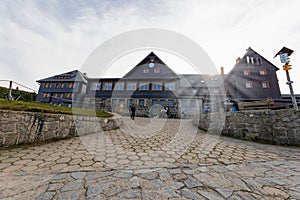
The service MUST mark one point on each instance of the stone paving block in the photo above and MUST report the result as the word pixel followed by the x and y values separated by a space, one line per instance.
pixel 78 175
pixel 72 185
pixel 192 183
pixel 46 196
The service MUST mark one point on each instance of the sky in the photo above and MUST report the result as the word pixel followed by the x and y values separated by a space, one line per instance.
pixel 43 38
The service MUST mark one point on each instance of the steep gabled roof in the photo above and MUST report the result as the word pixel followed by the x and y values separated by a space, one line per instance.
pixel 138 71
pixel 71 76
pixel 250 52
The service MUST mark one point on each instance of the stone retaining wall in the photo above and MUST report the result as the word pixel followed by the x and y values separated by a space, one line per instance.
pixel 271 126
pixel 26 127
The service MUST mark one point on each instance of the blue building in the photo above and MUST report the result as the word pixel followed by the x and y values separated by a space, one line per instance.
pixel 62 89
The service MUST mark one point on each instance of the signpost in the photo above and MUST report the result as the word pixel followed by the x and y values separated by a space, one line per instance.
pixel 284 54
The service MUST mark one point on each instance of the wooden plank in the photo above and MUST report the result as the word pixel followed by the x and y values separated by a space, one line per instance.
pixel 256 104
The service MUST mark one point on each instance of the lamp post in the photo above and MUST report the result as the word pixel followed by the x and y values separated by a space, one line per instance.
pixel 284 54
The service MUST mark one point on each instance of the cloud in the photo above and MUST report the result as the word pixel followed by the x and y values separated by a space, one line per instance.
pixel 42 38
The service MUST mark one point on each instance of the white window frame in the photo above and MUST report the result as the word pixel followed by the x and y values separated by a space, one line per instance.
pixel 131 86
pixel 119 86
pixel 157 86
pixel 170 86
pixel 144 86
pixel 248 84
pixel 107 86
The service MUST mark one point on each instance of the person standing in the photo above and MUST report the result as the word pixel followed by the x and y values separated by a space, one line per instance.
pixel 132 108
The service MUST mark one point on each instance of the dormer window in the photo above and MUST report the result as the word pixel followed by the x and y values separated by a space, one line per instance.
pixel 107 86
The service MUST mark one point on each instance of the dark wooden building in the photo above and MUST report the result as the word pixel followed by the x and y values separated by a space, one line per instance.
pixel 252 78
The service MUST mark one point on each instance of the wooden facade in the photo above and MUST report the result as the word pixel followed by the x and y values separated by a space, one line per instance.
pixel 151 84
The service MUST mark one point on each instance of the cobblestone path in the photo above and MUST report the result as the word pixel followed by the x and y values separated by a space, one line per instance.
pixel 146 159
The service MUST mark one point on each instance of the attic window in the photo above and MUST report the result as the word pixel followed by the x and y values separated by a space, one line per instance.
pixel 252 60
pixel 157 70
pixel 258 61
pixel 248 59
pixel 146 71
pixel 151 59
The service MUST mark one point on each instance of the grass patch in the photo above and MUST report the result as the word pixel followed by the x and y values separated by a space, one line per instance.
pixel 47 108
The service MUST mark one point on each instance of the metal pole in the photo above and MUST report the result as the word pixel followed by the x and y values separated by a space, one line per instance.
pixel 9 91
pixel 291 90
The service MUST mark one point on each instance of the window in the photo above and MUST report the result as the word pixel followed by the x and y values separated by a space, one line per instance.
pixel 146 71
pixel 119 86
pixel 248 59
pixel 170 86
pixel 252 60
pixel 246 72
pixel 107 86
pixel 194 91
pixel 114 102
pixel 45 95
pixel 157 70
pixel 162 102
pixel 129 102
pixel 70 85
pixel 47 85
pixel 171 102
pixel 141 102
pixel 205 91
pixel 263 72
pixel 183 103
pixel 121 101
pixel 59 85
pixel 265 84
pixel 154 101
pixel 131 86
pixel 156 86
pixel 258 61
pixel 96 86
pixel 68 95
pixel 144 86
pixel 192 103
pixel 248 84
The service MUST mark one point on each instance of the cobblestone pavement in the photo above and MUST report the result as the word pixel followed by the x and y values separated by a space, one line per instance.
pixel 168 160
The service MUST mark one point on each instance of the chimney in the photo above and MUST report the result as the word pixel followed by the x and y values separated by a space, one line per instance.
pixel 222 70
pixel 238 60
